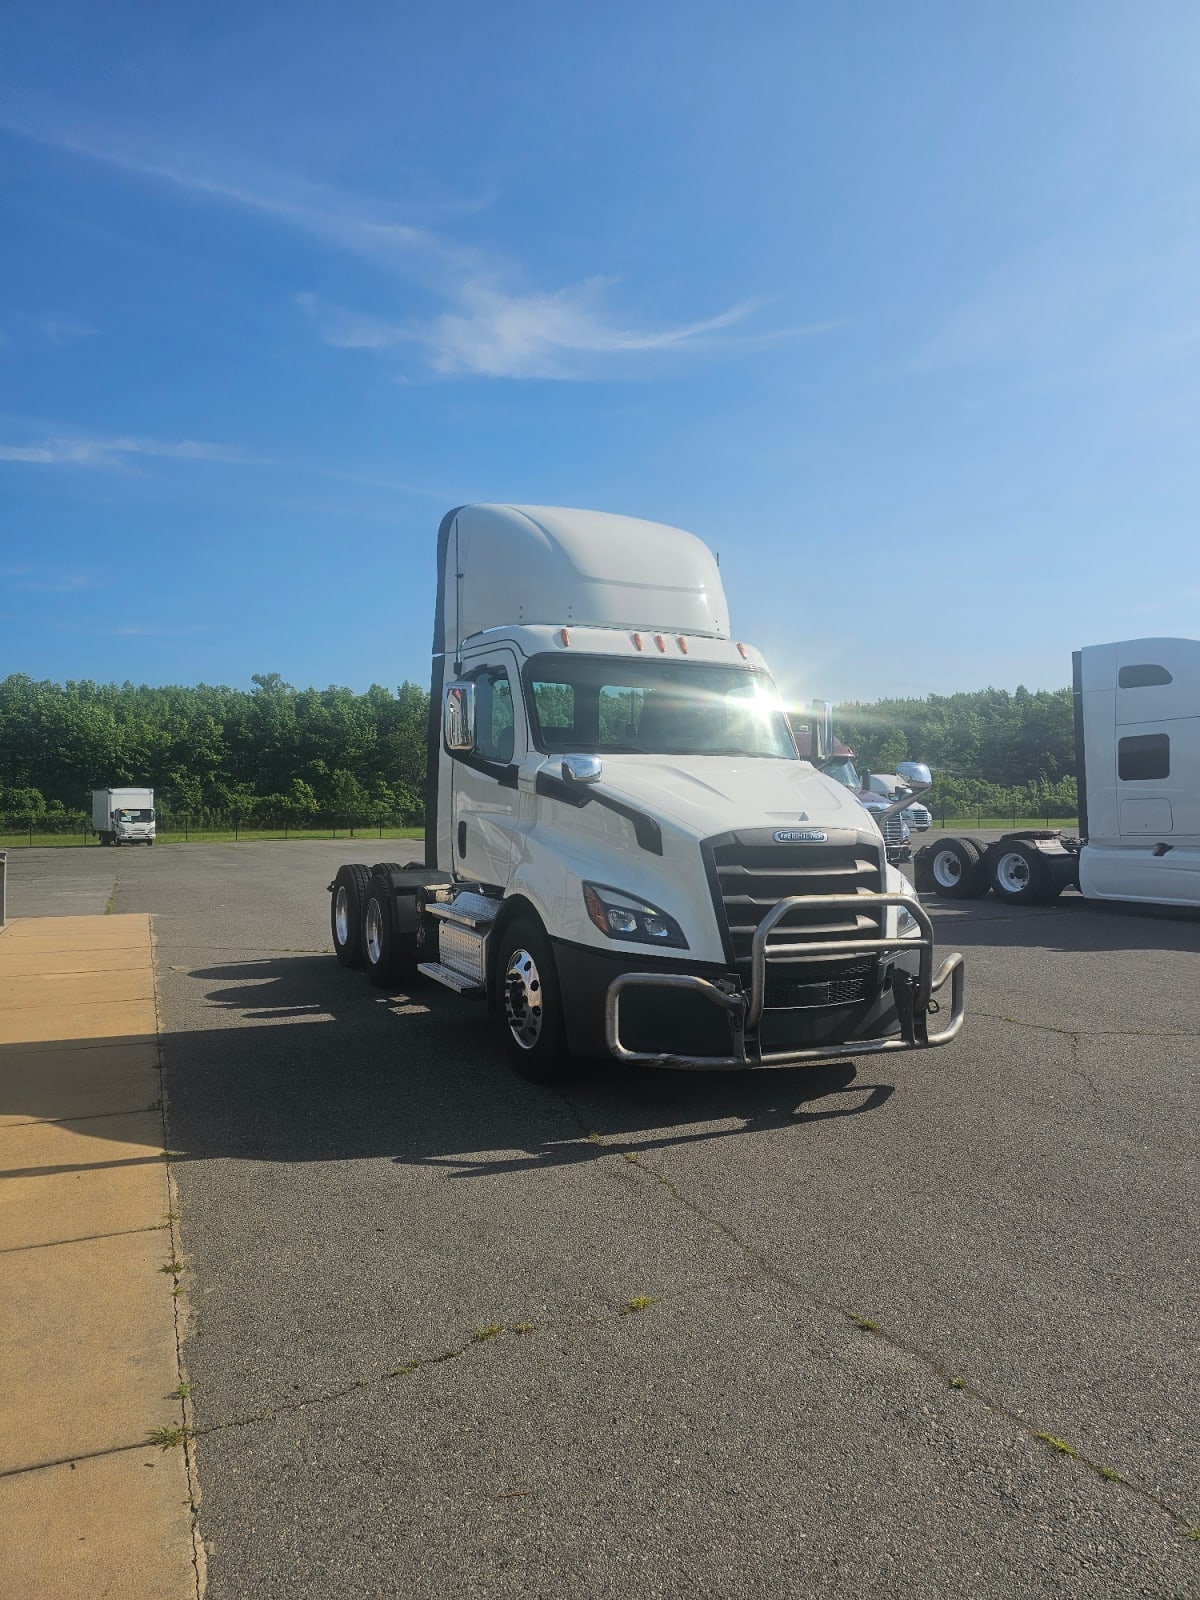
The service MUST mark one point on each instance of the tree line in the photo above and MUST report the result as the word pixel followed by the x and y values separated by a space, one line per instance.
pixel 286 755
pixel 273 752
pixel 992 751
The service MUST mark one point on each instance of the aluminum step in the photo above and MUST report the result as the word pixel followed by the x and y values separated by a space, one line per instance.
pixel 468 910
pixel 449 978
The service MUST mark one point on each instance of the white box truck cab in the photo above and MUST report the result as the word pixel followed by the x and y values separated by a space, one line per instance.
pixel 1137 757
pixel 123 816
pixel 625 854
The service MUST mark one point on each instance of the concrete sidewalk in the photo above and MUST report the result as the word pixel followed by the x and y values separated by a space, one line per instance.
pixel 88 1324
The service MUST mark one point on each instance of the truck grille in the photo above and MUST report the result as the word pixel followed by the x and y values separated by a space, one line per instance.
pixel 809 986
pixel 749 873
pixel 893 829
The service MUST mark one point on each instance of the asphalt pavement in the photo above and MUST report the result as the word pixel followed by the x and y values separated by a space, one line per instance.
pixel 924 1327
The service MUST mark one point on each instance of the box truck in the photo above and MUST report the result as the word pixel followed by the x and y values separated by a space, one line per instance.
pixel 123 816
pixel 626 856
pixel 1137 757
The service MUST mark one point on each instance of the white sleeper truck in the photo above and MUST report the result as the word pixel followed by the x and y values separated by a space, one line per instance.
pixel 1137 757
pixel 625 855
pixel 123 816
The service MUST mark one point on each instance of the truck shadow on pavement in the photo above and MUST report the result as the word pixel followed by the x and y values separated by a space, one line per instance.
pixel 306 1061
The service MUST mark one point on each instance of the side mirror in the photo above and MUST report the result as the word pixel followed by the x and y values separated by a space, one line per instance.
pixel 458 716
pixel 582 769
pixel 917 773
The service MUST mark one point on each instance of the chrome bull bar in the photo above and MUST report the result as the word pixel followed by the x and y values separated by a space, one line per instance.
pixel 745 1011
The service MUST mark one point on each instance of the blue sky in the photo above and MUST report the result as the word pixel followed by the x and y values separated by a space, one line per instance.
pixel 898 307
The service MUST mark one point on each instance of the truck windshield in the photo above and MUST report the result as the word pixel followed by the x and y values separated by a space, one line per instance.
pixel 134 816
pixel 844 772
pixel 596 704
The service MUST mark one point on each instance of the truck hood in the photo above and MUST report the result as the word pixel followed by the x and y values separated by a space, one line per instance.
pixel 708 795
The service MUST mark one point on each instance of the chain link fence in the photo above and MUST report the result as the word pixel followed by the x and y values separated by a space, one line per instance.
pixel 18 829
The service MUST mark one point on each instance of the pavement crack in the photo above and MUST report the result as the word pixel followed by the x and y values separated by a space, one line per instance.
pixel 1086 1033
pixel 183 1394
pixel 872 1329
pixel 483 1335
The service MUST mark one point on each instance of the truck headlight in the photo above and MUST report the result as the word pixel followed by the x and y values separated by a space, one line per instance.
pixel 907 926
pixel 625 916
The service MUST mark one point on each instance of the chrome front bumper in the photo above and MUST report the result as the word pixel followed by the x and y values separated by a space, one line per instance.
pixel 745 1010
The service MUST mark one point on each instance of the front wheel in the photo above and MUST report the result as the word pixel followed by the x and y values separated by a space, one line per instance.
pixel 531 1002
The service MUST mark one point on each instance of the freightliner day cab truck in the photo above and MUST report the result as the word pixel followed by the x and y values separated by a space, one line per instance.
pixel 123 816
pixel 625 855
pixel 1137 756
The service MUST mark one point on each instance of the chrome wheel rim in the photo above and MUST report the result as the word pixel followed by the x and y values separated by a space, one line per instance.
pixel 947 869
pixel 341 915
pixel 523 999
pixel 373 933
pixel 1012 872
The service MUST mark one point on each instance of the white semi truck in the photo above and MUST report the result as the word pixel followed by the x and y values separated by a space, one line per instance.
pixel 123 816
pixel 625 855
pixel 1137 756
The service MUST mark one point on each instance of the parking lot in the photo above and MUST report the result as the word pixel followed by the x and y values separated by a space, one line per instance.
pixel 925 1326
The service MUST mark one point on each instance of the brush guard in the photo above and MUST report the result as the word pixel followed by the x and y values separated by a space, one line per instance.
pixel 914 997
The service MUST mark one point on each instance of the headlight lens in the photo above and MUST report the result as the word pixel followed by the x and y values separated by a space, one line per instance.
pixel 624 916
pixel 906 924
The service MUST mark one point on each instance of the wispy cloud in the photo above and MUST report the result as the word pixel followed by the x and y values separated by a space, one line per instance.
pixel 65 330
pixel 114 452
pixel 494 333
pixel 1078 305
pixel 124 453
pixel 493 323
pixel 38 580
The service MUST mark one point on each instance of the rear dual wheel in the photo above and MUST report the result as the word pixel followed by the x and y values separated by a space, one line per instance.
pixel 347 895
pixel 955 869
pixel 1020 873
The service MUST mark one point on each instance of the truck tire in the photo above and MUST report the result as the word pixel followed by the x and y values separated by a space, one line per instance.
pixel 530 1002
pixel 388 956
pixel 347 892
pixel 1019 873
pixel 382 868
pixel 954 869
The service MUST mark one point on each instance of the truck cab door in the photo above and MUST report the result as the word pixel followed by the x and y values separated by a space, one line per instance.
pixel 484 797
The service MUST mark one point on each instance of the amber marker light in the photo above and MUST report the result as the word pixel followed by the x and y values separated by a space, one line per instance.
pixel 564 636
pixel 683 645
pixel 660 641
pixel 743 652
pixel 637 641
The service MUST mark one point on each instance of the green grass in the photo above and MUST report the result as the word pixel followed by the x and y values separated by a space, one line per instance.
pixel 248 835
pixel 1068 825
pixel 640 1302
pixel 169 1438
pixel 1061 1445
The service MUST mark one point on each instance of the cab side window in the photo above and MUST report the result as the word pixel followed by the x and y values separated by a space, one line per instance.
pixel 494 722
pixel 1141 758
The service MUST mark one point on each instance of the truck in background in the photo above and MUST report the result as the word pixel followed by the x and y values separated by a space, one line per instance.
pixel 626 856
pixel 1137 752
pixel 896 786
pixel 123 816
pixel 836 760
